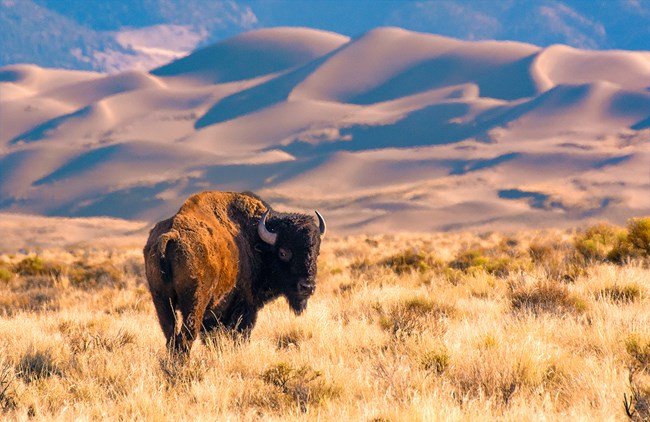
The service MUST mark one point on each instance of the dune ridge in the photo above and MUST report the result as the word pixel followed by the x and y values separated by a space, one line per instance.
pixel 390 131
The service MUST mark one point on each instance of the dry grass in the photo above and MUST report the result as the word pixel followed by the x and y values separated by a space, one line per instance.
pixel 429 327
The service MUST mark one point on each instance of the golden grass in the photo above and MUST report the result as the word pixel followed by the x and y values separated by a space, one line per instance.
pixel 421 327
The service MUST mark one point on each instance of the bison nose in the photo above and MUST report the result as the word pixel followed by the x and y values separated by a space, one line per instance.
pixel 305 287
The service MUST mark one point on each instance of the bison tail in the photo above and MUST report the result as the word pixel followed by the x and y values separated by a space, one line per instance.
pixel 165 245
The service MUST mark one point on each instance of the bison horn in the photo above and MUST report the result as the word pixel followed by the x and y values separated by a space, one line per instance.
pixel 321 224
pixel 264 233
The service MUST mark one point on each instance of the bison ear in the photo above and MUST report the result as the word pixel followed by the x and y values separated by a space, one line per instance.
pixel 321 224
pixel 264 233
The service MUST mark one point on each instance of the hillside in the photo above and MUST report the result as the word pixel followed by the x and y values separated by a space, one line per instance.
pixel 390 131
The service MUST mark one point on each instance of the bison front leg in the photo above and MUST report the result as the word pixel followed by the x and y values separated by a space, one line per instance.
pixel 240 317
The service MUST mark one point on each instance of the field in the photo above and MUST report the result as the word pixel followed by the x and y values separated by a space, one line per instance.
pixel 536 325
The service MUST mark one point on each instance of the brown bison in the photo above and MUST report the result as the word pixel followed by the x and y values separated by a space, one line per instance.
pixel 221 258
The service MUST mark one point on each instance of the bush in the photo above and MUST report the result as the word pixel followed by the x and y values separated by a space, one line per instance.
pixel 500 265
pixel 5 273
pixel 31 265
pixel 411 261
pixel 83 274
pixel 469 259
pixel 436 361
pixel 34 265
pixel 604 242
pixel 597 242
pixel 638 235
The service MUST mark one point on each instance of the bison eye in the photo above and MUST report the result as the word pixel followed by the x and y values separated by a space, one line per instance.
pixel 284 254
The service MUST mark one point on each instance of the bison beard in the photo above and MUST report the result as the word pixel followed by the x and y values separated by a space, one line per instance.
pixel 221 258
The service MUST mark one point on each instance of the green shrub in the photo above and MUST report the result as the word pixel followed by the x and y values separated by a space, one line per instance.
pixel 633 243
pixel 411 261
pixel 469 259
pixel 597 242
pixel 31 265
pixel 638 234
pixel 84 274
pixel 34 265
pixel 5 273
pixel 499 263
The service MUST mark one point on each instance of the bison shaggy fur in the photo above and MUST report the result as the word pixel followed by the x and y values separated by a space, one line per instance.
pixel 220 259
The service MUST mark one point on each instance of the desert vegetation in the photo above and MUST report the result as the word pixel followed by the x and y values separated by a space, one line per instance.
pixel 533 325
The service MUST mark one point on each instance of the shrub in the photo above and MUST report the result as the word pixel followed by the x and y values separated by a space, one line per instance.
pixel 500 265
pixel 84 274
pixel 411 261
pixel 638 235
pixel 597 242
pixel 605 242
pixel 436 361
pixel 549 254
pixel 468 259
pixel 5 273
pixel 31 265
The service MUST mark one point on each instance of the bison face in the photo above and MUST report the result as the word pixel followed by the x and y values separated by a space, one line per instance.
pixel 293 245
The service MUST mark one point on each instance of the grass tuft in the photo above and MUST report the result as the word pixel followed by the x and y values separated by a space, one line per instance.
pixel 300 385
pixel 8 399
pixel 639 349
pixel 623 294
pixel 435 361
pixel 38 365
pixel 546 297
pixel 291 338
pixel 413 315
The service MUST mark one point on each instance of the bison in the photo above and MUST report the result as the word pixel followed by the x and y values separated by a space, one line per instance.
pixel 221 258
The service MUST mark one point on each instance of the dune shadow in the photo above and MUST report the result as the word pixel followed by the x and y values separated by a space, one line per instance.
pixel 40 131
pixel 509 81
pixel 80 164
pixel 260 96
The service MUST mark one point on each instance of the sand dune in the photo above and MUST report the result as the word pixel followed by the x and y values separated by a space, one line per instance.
pixel 254 54
pixel 390 131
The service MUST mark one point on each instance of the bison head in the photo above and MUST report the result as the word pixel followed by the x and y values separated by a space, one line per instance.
pixel 292 248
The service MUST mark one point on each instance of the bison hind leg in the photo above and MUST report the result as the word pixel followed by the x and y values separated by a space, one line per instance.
pixel 167 315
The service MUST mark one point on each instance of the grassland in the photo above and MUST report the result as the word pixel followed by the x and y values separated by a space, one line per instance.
pixel 551 325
